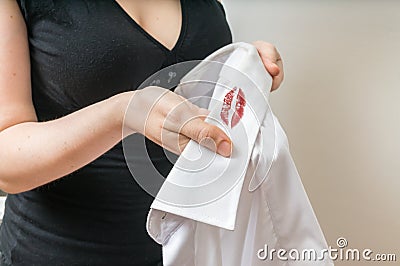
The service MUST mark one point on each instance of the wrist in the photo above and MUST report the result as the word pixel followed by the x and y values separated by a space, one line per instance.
pixel 119 105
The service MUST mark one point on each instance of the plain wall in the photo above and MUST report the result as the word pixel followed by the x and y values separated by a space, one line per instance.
pixel 339 105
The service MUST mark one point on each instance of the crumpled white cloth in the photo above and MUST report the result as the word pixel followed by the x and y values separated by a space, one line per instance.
pixel 233 211
pixel 2 203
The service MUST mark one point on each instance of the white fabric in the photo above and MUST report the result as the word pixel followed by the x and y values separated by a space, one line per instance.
pixel 2 203
pixel 265 205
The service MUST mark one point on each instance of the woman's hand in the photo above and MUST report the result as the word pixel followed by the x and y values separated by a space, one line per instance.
pixel 171 121
pixel 272 61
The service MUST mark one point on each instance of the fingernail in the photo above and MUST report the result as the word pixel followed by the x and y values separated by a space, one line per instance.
pixel 225 148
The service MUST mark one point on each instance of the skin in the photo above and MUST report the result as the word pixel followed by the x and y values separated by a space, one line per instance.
pixel 75 140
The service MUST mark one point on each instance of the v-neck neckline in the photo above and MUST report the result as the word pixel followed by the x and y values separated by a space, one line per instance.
pixel 149 36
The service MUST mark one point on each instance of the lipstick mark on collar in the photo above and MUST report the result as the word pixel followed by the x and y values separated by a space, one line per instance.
pixel 238 111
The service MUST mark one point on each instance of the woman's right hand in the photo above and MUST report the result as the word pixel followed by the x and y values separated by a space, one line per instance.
pixel 171 121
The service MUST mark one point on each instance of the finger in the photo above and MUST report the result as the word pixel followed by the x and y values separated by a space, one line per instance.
pixel 272 61
pixel 269 56
pixel 210 136
pixel 203 113
pixel 277 80
pixel 272 68
pixel 173 141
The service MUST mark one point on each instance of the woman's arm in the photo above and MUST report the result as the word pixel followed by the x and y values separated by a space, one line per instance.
pixel 34 153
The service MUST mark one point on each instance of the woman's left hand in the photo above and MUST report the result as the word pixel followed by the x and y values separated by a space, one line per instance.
pixel 272 61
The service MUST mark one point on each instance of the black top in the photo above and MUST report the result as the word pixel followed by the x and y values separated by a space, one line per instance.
pixel 84 51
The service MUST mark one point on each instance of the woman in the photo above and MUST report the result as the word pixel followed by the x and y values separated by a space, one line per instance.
pixel 68 70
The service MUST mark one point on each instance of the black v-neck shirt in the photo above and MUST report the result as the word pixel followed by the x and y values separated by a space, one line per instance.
pixel 84 51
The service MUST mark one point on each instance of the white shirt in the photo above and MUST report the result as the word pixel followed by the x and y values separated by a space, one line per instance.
pixel 234 211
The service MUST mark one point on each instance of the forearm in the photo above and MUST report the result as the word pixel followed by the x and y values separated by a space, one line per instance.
pixel 35 153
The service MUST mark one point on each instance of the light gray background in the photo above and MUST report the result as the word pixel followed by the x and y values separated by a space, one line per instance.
pixel 340 107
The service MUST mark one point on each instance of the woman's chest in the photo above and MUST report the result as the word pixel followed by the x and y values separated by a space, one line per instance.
pixel 86 51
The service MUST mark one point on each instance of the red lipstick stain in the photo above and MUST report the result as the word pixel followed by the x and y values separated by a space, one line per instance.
pixel 227 106
pixel 239 107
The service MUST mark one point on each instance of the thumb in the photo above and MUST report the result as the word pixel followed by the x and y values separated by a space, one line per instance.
pixel 210 136
pixel 272 68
